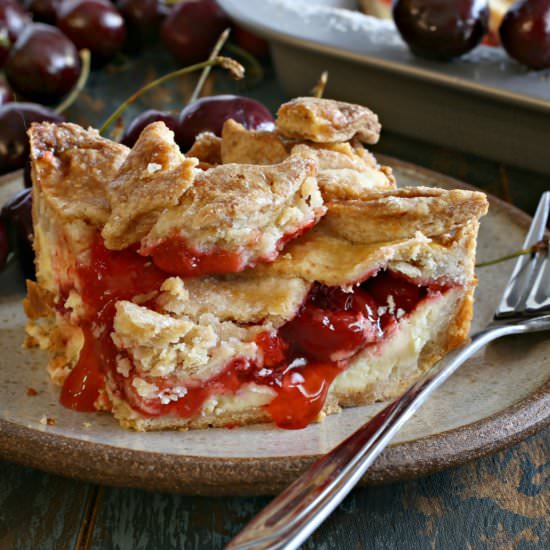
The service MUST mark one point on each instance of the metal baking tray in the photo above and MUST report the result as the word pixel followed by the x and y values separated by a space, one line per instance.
pixel 483 103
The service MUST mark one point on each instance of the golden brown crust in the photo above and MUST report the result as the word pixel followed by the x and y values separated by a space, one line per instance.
pixel 242 298
pixel 244 146
pixel 72 167
pixel 39 302
pixel 207 148
pixel 371 383
pixel 199 325
pixel 243 207
pixel 346 170
pixel 326 256
pixel 327 121
pixel 153 177
pixel 401 213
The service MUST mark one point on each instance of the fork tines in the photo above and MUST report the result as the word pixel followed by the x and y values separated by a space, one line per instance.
pixel 528 290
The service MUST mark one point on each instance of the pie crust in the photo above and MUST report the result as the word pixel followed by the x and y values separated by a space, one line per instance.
pixel 347 289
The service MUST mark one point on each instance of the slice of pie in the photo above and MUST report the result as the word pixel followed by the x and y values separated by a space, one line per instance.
pixel 304 301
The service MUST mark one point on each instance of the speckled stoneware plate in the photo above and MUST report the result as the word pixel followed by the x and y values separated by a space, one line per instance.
pixel 468 104
pixel 499 397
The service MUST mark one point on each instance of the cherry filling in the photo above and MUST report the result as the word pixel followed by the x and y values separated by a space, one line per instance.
pixel 300 360
pixel 108 277
pixel 176 257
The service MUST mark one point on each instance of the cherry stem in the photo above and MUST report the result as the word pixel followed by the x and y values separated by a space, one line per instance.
pixel 539 246
pixel 254 67
pixel 206 71
pixel 224 62
pixel 81 82
pixel 319 89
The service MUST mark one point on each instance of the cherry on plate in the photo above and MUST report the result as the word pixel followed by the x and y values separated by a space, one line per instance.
pixel 210 113
pixel 134 129
pixel 92 24
pixel 525 33
pixel 441 29
pixel 43 65
pixel 15 119
pixel 191 29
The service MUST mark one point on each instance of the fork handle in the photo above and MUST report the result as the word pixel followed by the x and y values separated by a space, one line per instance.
pixel 291 517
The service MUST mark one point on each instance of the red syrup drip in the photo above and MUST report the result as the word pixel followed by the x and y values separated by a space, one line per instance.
pixel 108 277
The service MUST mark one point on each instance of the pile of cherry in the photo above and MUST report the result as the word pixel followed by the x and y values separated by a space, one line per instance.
pixel 445 29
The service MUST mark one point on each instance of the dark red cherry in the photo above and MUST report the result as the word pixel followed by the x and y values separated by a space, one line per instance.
pixel 210 113
pixel 13 17
pixel 92 24
pixel 143 19
pixel 4 244
pixel 43 65
pixel 253 44
pixel 325 335
pixel 134 129
pixel 192 28
pixel 441 29
pixel 387 287
pixel 44 10
pixel 15 119
pixel 6 95
pixel 17 214
pixel 525 33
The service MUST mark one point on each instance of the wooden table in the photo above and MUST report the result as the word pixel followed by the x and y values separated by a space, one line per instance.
pixel 501 501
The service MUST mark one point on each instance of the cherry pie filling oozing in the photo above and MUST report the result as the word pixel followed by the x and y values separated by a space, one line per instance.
pixel 300 359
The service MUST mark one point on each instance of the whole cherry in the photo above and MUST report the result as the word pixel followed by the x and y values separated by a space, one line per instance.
pixel 143 19
pixel 15 119
pixel 134 129
pixel 43 65
pixel 92 24
pixel 44 10
pixel 210 113
pixel 441 29
pixel 191 29
pixel 525 33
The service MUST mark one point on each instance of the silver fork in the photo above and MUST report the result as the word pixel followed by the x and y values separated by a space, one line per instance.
pixel 291 517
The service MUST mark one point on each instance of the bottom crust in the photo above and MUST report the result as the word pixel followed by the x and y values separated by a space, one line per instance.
pixel 375 374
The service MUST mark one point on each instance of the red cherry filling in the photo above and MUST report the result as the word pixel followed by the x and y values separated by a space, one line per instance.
pixel 175 257
pixel 300 360
pixel 333 325
pixel 108 277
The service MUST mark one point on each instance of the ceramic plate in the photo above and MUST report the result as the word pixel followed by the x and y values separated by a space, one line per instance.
pixel 497 398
